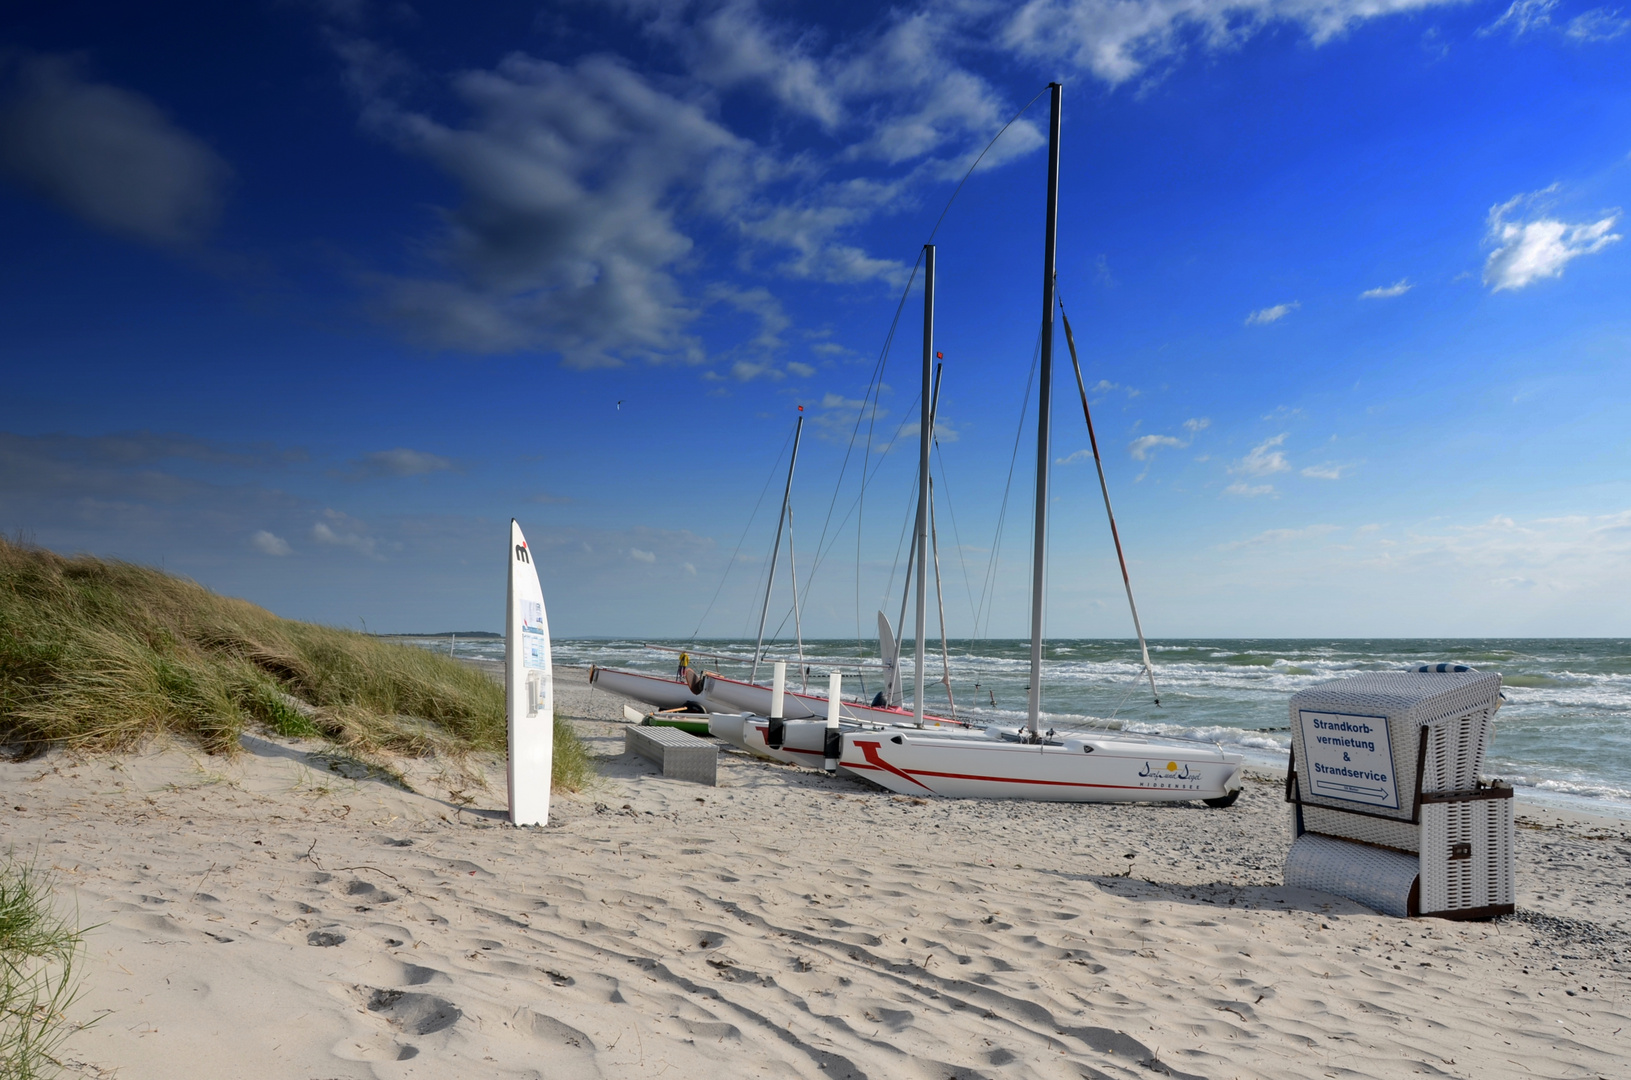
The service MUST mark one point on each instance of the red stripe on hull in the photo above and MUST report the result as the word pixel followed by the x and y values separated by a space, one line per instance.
pixel 912 774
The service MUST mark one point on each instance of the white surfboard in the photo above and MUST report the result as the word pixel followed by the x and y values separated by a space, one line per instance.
pixel 529 688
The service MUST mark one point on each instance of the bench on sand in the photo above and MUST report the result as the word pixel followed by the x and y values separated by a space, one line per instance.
pixel 682 756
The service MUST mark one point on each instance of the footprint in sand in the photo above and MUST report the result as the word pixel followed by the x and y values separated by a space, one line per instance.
pixel 417 1014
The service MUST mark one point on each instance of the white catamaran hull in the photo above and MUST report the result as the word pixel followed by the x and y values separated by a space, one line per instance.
pixel 804 742
pixel 1084 769
pixel 729 728
pixel 654 690
pixel 720 694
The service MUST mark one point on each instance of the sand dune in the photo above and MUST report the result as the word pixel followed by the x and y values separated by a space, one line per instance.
pixel 271 917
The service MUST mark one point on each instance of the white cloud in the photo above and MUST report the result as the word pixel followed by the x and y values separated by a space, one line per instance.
pixel 1141 447
pixel 1072 458
pixel 834 418
pixel 1521 17
pixel 689 568
pixel 269 544
pixel 642 556
pixel 1118 40
pixel 748 370
pixel 1578 552
pixel 760 303
pixel 1327 471
pixel 1240 487
pixel 106 155
pixel 342 530
pixel 803 371
pixel 588 188
pixel 1384 292
pixel 896 86
pixel 399 462
pixel 1527 251
pixel 1263 460
pixel 1105 386
pixel 1598 24
pixel 567 237
pixel 1526 16
pixel 1264 316
pixel 1144 447
pixel 1281 536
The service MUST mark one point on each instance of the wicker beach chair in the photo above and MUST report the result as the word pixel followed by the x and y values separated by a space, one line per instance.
pixel 1387 803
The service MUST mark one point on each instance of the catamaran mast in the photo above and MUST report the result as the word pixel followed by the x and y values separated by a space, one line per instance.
pixel 1039 546
pixel 775 550
pixel 925 433
pixel 893 686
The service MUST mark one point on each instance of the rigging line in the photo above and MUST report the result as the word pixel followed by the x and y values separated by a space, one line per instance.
pixel 788 614
pixel 908 514
pixel 878 367
pixel 874 389
pixel 940 600
pixel 747 613
pixel 821 555
pixel 911 554
pixel 1130 688
pixel 866 458
pixel 793 580
pixel 988 587
pixel 782 517
pixel 1093 440
pixel 774 470
pixel 957 538
pixel 977 161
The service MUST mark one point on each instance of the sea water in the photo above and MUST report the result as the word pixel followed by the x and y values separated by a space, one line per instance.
pixel 1563 735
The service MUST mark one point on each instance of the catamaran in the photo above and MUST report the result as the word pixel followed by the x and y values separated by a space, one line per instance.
pixel 1028 763
pixel 653 690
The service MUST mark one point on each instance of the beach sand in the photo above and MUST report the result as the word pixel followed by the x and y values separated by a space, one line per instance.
pixel 287 915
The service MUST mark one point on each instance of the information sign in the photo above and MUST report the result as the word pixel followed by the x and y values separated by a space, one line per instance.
pixel 1349 758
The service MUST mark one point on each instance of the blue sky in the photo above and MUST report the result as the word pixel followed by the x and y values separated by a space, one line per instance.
pixel 305 300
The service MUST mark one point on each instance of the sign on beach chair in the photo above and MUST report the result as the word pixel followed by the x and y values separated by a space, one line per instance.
pixel 1387 804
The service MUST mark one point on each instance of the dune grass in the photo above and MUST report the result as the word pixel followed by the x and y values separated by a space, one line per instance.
pixel 102 655
pixel 572 767
pixel 39 952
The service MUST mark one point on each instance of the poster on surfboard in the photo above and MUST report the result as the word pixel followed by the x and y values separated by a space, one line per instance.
pixel 529 688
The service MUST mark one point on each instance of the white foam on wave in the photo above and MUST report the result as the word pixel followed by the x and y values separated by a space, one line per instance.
pixel 1228 736
pixel 1579 788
